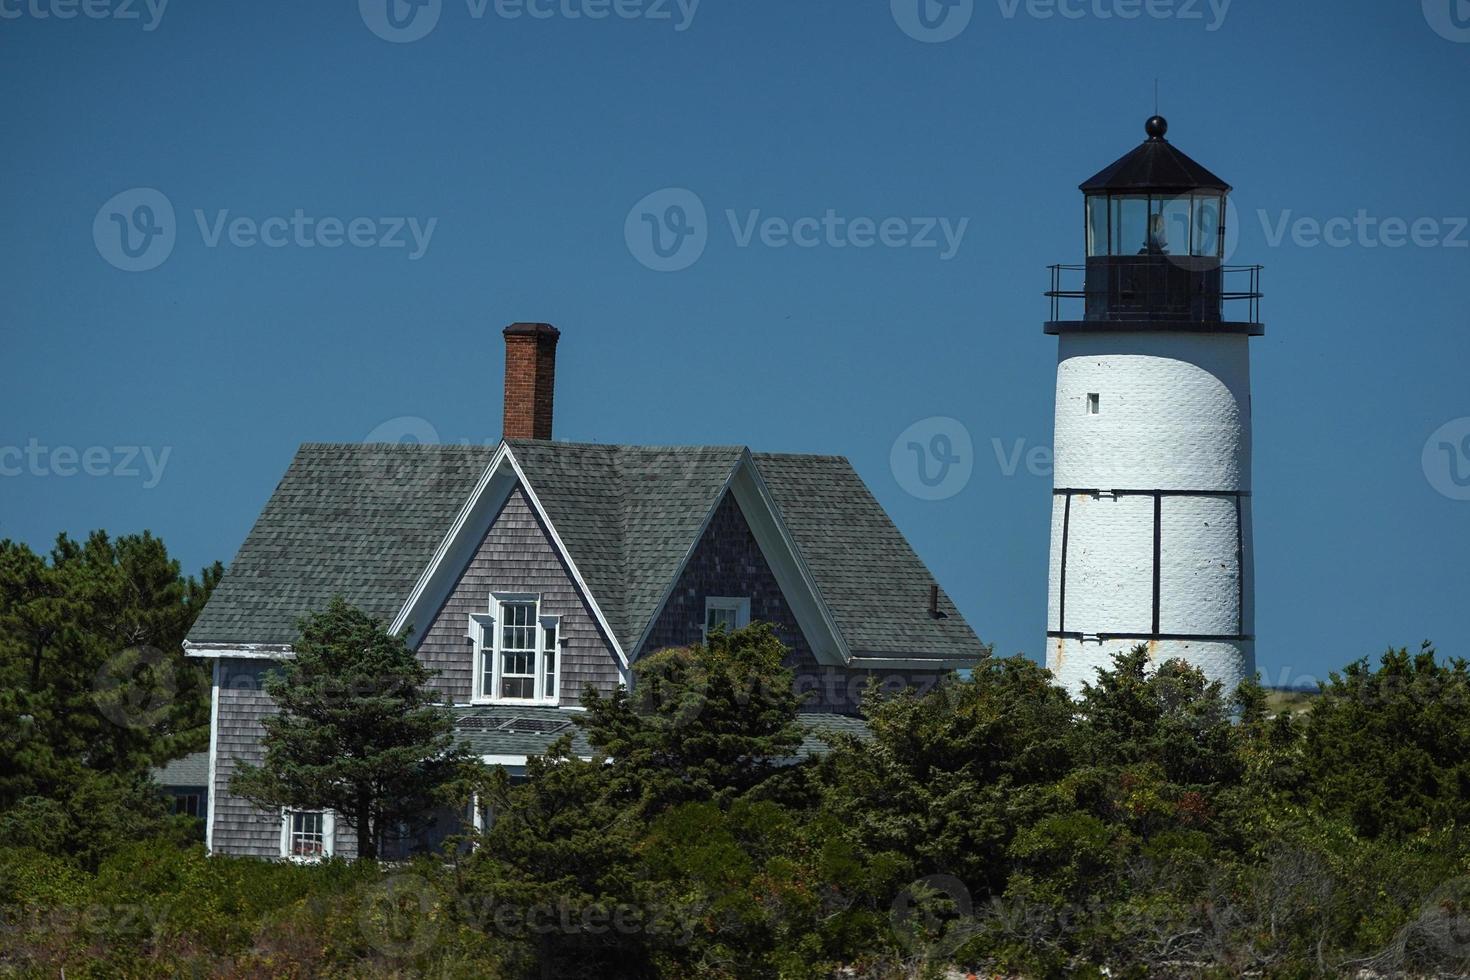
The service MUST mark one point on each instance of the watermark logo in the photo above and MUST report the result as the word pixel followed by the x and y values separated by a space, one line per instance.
pixel 935 914
pixel 1187 227
pixel 397 916
pixel 668 230
pixel 1446 459
pixel 933 21
pixel 397 471
pixel 1449 18
pixel 933 459
pixel 126 462
pixel 135 230
pixel 136 688
pixel 405 21
pixel 835 231
pixel 148 12
pixel 400 21
pixel 1364 230
pixel 1211 13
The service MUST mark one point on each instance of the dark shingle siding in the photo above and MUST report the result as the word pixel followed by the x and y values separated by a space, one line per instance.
pixel 627 514
pixel 239 826
pixel 728 562
pixel 517 555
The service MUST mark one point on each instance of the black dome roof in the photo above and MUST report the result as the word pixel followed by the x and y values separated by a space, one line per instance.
pixel 1154 165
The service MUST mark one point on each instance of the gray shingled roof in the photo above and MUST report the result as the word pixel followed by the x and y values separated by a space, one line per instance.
pixel 189 770
pixel 628 515
pixel 360 521
pixel 860 561
pixel 364 521
pixel 530 730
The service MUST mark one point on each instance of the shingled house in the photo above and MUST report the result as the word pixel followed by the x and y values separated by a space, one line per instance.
pixel 526 571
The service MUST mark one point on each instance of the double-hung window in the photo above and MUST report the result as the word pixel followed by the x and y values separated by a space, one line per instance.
pixel 725 612
pixel 306 835
pixel 516 656
pixel 517 651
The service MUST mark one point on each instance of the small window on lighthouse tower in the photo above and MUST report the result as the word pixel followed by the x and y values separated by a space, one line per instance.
pixel 1093 403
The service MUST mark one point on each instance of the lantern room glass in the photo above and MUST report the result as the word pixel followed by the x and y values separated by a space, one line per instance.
pixel 1163 224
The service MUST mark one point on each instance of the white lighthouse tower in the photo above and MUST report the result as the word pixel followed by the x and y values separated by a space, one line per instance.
pixel 1151 506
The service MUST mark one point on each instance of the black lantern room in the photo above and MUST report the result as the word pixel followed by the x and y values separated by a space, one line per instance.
pixel 1155 223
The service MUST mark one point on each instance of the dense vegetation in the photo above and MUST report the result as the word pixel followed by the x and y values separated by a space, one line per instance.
pixel 991 825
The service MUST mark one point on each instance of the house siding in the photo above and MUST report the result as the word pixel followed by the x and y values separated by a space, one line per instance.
pixel 517 554
pixel 240 827
pixel 727 561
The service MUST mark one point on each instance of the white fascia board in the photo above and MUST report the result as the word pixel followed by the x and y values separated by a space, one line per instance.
pixel 566 556
pixel 658 608
pixel 458 543
pixel 787 564
pixel 469 528
pixel 239 651
pixel 213 759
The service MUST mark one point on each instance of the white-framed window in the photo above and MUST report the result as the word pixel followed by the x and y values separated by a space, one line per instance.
pixel 730 612
pixel 189 804
pixel 517 651
pixel 307 835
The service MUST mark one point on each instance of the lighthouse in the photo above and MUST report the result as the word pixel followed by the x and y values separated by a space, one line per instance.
pixel 1151 503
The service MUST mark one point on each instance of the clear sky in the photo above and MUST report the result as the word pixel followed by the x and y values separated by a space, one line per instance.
pixel 173 398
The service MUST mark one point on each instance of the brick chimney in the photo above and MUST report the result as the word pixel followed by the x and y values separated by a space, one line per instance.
pixel 530 379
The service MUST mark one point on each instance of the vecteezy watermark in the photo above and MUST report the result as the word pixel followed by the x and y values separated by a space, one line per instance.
pixel 935 914
pixel 406 21
pixel 34 459
pixel 1038 460
pixel 1449 18
pixel 136 688
pixel 97 921
pixel 400 21
pixel 933 21
pixel 149 13
pixel 668 231
pixel 933 459
pixel 566 917
pixel 1446 459
pixel 397 916
pixel 136 230
pixel 1364 230
pixel 936 21
pixel 1211 13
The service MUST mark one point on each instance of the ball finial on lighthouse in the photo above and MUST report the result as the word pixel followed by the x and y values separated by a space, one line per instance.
pixel 1151 507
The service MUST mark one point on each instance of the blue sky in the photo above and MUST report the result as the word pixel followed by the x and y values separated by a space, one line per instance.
pixel 519 146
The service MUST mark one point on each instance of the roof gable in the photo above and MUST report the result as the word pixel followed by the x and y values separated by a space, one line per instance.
pixel 386 526
pixel 629 516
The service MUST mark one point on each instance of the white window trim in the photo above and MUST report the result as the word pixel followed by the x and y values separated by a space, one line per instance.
pixel 484 625
pixel 329 835
pixel 740 605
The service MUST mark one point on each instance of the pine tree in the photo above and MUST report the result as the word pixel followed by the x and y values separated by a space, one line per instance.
pixel 358 732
